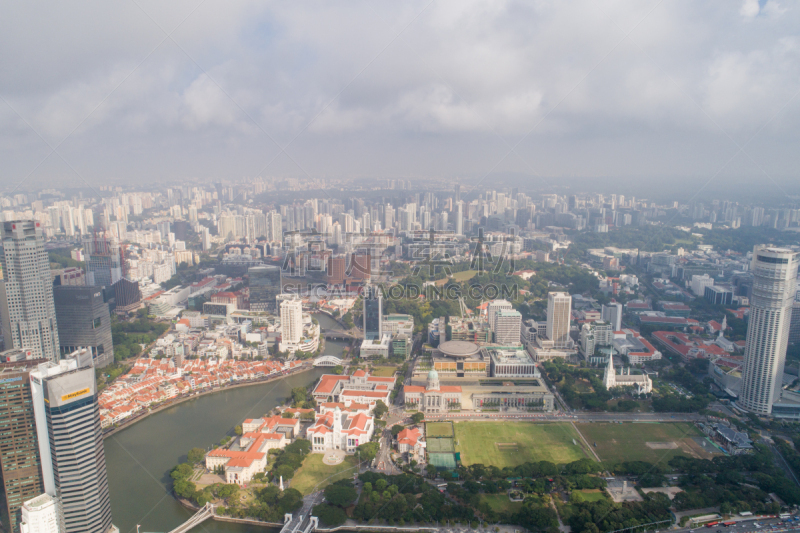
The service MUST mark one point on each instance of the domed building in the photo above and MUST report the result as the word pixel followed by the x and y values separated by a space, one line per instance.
pixel 433 397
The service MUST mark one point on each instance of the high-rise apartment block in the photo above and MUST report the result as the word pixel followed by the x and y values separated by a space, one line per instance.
pixel 291 321
pixel 71 443
pixel 774 286
pixel 559 312
pixel 373 312
pixel 19 450
pixel 84 321
pixel 26 291
pixel 265 286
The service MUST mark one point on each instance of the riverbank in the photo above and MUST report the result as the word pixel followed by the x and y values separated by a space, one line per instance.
pixel 299 370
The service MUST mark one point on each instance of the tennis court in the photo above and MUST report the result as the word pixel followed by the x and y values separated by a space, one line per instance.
pixel 440 445
pixel 444 461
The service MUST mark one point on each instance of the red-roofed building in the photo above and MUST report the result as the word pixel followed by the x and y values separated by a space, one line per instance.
pixel 359 387
pixel 688 347
pixel 339 429
pixel 409 441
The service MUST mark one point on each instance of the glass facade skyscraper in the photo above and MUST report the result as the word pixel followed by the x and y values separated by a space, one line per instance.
pixel 265 286
pixel 373 311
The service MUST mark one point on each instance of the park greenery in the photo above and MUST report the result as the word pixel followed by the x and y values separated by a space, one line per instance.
pixel 62 257
pixel 129 336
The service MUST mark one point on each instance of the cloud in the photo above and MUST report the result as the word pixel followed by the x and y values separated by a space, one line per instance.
pixel 390 88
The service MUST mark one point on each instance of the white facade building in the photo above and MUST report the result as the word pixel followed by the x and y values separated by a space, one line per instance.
pixel 612 313
pixel 559 309
pixel 494 307
pixel 774 286
pixel 508 324
pixel 40 515
pixel 291 321
pixel 699 284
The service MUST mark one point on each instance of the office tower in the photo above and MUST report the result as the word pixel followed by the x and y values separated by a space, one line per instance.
pixel 559 308
pixel 612 313
pixel 19 451
pixel 508 324
pixel 26 292
pixel 84 321
pixel 459 222
pixel 373 312
pixel 494 307
pixel 127 296
pixel 103 260
pixel 40 515
pixel 774 286
pixel 265 286
pixel 291 321
pixel 458 192
pixel 206 237
pixel 71 443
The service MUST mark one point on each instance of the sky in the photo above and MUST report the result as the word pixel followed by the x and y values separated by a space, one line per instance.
pixel 146 91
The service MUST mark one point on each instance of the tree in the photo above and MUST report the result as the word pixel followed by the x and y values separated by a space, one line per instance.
pixel 238 430
pixel 417 417
pixel 329 515
pixel 397 428
pixel 380 409
pixel 340 495
pixel 196 455
pixel 368 451
pixel 338 369
pixel 182 471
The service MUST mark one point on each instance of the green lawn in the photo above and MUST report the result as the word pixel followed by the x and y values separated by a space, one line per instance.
pixel 465 275
pixel 628 442
pixel 438 429
pixel 314 472
pixel 500 503
pixel 383 371
pixel 514 443
pixel 593 495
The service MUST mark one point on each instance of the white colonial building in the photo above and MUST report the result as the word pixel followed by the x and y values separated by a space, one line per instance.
pixel 433 397
pixel 340 428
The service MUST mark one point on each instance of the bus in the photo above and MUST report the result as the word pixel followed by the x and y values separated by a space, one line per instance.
pixel 729 524
pixel 712 524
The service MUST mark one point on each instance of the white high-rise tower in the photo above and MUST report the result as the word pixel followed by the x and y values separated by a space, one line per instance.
pixel 26 291
pixel 774 286
pixel 559 310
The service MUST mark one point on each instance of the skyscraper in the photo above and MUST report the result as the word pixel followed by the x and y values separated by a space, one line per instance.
pixel 373 312
pixel 459 222
pixel 103 260
pixel 612 313
pixel 84 321
pixel 26 291
pixel 291 321
pixel 559 309
pixel 71 443
pixel 19 450
pixel 494 307
pixel 508 324
pixel 774 286
pixel 265 285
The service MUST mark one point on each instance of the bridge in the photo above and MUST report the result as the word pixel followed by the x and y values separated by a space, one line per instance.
pixel 206 512
pixel 342 334
pixel 328 360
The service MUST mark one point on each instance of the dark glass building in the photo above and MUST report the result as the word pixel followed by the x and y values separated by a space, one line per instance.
pixel 265 286
pixel 19 451
pixel 373 310
pixel 84 321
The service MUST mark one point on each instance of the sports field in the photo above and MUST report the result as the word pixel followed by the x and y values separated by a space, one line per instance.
pixel 316 474
pixel 514 443
pixel 440 445
pixel 500 503
pixel 438 429
pixel 658 442
pixel 466 275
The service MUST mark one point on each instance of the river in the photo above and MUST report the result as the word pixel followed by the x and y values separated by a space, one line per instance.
pixel 140 457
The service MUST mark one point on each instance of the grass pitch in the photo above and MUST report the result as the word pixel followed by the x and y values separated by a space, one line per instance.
pixel 438 429
pixel 314 473
pixel 440 445
pixel 466 275
pixel 514 443
pixel 383 371
pixel 628 442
